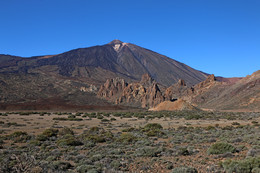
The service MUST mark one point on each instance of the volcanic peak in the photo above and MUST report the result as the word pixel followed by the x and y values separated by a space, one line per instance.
pixel 115 42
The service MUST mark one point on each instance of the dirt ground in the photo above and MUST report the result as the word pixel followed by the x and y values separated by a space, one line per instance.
pixel 35 123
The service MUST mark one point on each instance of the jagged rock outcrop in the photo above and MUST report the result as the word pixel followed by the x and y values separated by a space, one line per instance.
pixel 112 88
pixel 145 93
pixel 192 94
pixel 209 82
pixel 177 90
pixel 147 80
pixel 153 96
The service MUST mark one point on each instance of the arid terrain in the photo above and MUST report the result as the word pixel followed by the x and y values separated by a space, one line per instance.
pixel 136 141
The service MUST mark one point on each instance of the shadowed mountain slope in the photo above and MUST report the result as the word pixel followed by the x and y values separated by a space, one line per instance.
pixel 125 60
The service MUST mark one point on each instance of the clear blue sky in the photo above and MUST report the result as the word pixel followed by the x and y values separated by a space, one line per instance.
pixel 220 37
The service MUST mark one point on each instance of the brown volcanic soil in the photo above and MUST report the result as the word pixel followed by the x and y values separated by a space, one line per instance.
pixel 38 123
pixel 57 104
pixel 229 80
pixel 57 107
pixel 173 106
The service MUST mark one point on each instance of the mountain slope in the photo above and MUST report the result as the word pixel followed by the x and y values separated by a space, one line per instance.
pixel 124 60
pixel 244 94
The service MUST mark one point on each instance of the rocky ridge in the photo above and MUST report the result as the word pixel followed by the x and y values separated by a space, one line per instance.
pixel 208 94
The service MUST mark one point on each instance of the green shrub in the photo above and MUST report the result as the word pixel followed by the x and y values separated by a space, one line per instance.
pixel 65 131
pixel 100 117
pixel 71 116
pixel 19 136
pixel 115 164
pixel 153 129
pixel 104 120
pixel 25 113
pixel 97 135
pixel 69 140
pixel 46 134
pixel 221 148
pixel 183 152
pixel 78 114
pixel 94 129
pixel 256 170
pixel 50 132
pixel 130 129
pixel 235 123
pixel 184 170
pixel 61 166
pixel 193 117
pixel 210 128
pixel 96 138
pixel 148 152
pixel 35 142
pixel 41 137
pixel 154 132
pixel 127 138
pixel 255 122
pixel 112 119
pixel 67 119
pixel 152 126
pixel 60 119
pixel 242 166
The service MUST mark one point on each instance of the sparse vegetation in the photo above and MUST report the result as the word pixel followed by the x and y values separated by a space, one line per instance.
pixel 126 142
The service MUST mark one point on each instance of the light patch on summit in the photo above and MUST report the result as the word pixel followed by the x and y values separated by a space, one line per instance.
pixel 116 47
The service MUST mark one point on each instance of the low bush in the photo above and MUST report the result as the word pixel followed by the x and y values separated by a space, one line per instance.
pixel 153 129
pixel 148 152
pixel 221 148
pixel 193 117
pixel 67 119
pixel 65 131
pixel 152 126
pixel 127 138
pixel 46 134
pixel 61 165
pixel 184 170
pixel 50 132
pixel 97 135
pixel 19 136
pixel 183 152
pixel 241 166
pixel 69 140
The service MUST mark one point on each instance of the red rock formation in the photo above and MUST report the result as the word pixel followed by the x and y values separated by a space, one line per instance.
pixel 144 94
pixel 147 80
pixel 177 90
pixel 112 88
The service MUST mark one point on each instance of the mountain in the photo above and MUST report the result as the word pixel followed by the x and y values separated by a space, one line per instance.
pixel 73 78
pixel 118 59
